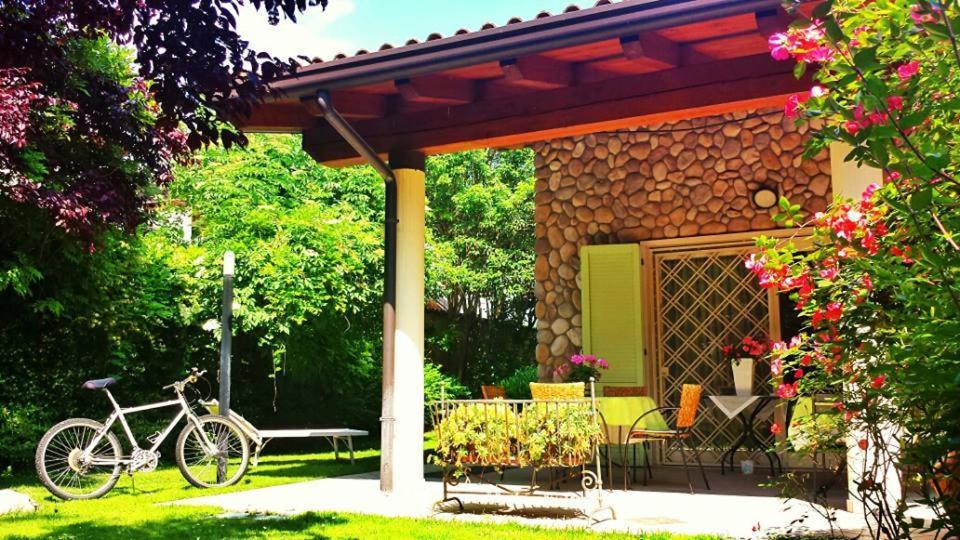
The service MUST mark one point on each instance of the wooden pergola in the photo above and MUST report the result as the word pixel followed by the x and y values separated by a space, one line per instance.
pixel 610 66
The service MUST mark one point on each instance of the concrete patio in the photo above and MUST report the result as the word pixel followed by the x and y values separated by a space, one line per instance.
pixel 735 507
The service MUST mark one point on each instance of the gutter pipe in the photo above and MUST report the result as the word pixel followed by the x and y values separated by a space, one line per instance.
pixel 322 106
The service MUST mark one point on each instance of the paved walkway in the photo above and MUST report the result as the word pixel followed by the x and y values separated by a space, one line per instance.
pixel 636 511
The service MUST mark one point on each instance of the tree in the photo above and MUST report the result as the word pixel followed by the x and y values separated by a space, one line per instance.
pixel 99 99
pixel 480 262
pixel 309 261
pixel 879 292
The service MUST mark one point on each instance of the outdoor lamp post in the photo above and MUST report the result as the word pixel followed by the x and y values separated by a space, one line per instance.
pixel 226 332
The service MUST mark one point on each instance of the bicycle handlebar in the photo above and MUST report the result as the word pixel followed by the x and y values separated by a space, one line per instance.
pixel 192 378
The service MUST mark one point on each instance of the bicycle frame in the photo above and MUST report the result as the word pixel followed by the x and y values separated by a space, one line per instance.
pixel 119 413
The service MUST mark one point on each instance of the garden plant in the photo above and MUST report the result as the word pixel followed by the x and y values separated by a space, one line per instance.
pixel 879 288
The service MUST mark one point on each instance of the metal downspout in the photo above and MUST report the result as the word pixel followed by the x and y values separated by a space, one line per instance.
pixel 324 108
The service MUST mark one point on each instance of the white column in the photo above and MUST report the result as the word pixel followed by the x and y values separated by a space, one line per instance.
pixel 849 180
pixel 406 470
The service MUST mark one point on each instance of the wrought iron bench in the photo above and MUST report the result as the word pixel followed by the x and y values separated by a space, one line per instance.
pixel 475 436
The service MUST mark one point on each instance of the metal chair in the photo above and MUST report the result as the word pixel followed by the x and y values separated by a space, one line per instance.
pixel 679 435
pixel 493 392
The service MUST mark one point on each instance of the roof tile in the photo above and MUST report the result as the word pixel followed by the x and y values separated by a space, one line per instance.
pixel 487 26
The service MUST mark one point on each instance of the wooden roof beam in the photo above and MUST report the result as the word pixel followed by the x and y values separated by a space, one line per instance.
pixel 358 106
pixel 651 47
pixel 772 21
pixel 537 72
pixel 737 84
pixel 437 90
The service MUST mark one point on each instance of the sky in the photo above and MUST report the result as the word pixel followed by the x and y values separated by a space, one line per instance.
pixel 349 25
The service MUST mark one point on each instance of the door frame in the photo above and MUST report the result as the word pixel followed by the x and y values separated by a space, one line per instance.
pixel 650 249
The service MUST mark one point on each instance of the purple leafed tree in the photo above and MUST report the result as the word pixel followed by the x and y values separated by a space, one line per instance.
pixel 99 99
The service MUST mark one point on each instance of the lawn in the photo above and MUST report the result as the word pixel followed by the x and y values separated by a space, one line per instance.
pixel 129 510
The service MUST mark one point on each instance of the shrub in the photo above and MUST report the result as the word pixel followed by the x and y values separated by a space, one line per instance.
pixel 517 385
pixel 558 434
pixel 477 434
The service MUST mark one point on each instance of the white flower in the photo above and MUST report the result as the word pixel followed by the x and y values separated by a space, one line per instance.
pixel 210 325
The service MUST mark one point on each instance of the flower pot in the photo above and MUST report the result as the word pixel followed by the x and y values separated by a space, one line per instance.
pixel 743 376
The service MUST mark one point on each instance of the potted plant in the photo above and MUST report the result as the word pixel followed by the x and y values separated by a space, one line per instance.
pixel 558 435
pixel 742 357
pixel 581 368
pixel 477 434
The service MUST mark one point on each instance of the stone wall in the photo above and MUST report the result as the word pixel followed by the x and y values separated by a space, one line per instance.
pixel 688 178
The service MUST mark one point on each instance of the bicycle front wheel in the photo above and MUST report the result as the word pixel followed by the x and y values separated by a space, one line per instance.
pixel 215 454
pixel 70 468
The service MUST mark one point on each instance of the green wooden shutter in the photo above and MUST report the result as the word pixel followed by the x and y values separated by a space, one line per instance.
pixel 612 325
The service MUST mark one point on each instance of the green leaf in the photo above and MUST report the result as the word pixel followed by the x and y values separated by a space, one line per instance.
pixel 866 59
pixel 921 200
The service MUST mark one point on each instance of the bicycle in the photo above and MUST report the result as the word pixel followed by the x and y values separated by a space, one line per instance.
pixel 81 458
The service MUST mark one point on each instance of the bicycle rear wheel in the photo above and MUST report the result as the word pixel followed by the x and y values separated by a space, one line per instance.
pixel 70 472
pixel 222 462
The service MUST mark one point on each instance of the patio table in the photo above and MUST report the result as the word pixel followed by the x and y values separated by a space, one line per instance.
pixel 737 406
pixel 622 412
pixel 619 414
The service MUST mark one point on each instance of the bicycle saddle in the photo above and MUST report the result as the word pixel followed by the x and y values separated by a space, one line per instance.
pixel 99 384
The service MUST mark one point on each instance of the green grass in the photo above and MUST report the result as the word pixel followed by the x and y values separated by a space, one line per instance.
pixel 129 511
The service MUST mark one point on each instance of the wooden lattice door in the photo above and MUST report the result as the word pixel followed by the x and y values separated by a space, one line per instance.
pixel 703 299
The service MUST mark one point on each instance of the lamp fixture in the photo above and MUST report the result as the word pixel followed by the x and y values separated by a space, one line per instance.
pixel 765 197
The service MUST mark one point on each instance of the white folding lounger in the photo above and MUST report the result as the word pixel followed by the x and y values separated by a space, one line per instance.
pixel 260 437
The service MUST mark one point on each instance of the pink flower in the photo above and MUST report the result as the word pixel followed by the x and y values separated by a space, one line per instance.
pixel 918 17
pixel 778 46
pixel 908 70
pixel 792 108
pixel 755 263
pixel 852 127
pixel 603 364
pixel 895 103
pixel 775 428
pixel 577 359
pixel 776 367
pixel 787 391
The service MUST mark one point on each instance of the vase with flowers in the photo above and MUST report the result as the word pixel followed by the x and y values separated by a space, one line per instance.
pixel 581 368
pixel 742 357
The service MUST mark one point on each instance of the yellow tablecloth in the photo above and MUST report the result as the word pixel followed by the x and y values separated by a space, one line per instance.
pixel 622 412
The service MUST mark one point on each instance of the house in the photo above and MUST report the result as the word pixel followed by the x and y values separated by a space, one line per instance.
pixel 658 127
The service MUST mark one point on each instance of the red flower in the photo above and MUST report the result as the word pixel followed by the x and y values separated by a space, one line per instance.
pixel 877 381
pixel 862 443
pixel 895 103
pixel 775 428
pixel 908 70
pixel 834 311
